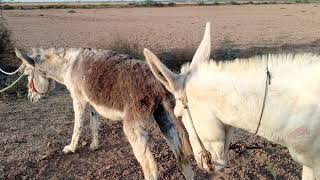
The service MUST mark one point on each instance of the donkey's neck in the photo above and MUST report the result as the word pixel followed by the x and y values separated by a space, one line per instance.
pixel 236 100
pixel 58 63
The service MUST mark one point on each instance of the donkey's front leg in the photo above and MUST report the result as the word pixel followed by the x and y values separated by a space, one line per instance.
pixel 79 110
pixel 94 125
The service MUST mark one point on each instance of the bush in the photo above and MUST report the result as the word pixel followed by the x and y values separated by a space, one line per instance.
pixel 7 56
pixel 201 3
pixel 120 45
pixel 9 62
pixel 234 3
pixel 171 4
pixel 72 11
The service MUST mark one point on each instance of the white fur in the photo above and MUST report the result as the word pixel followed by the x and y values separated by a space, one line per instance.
pixel 291 115
pixel 109 113
pixel 226 95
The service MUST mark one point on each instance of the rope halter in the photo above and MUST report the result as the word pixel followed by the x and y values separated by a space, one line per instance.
pixel 12 73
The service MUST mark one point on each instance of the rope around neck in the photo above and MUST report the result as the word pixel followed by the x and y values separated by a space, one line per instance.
pixel 205 154
pixel 268 82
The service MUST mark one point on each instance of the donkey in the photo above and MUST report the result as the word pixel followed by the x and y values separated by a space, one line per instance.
pixel 213 98
pixel 116 87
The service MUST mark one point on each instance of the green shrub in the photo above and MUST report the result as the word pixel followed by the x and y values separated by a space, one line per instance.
pixel 201 3
pixel 72 11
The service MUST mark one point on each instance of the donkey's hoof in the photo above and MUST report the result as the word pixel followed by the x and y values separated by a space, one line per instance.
pixel 68 149
pixel 94 146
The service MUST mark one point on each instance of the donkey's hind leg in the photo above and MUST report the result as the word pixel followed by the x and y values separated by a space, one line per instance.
pixel 94 125
pixel 138 138
pixel 168 129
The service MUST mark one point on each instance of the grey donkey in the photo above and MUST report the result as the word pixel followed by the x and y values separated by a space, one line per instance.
pixel 116 87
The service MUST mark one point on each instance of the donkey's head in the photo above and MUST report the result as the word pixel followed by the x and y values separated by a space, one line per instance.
pixel 39 84
pixel 177 84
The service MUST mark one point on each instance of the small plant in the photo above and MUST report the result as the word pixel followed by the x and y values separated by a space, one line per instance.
pixel 9 62
pixel 174 58
pixel 124 46
pixel 171 4
pixel 19 90
pixel 7 7
pixel 72 11
pixel 104 5
pixel 226 49
pixel 149 2
pixel 216 2
pixel 298 1
pixel 272 169
pixel 201 3
pixel 234 3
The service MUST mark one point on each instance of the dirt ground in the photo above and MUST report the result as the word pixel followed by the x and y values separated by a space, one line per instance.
pixel 33 135
pixel 166 28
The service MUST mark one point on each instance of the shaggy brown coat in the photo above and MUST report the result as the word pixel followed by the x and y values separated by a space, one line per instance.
pixel 114 85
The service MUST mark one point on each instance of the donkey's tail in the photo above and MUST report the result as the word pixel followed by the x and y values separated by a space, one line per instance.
pixel 182 134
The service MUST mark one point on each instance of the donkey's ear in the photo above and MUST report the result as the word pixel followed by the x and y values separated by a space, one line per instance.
pixel 203 52
pixel 160 71
pixel 25 58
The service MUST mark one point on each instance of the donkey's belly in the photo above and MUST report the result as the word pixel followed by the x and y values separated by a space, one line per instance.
pixel 112 114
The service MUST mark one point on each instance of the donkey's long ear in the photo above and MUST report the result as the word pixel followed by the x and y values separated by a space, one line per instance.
pixel 160 71
pixel 24 57
pixel 203 52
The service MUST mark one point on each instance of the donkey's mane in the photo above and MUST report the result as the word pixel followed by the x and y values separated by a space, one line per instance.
pixel 63 55
pixel 61 52
pixel 257 63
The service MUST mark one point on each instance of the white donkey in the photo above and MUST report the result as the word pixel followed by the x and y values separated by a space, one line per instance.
pixel 212 98
pixel 115 86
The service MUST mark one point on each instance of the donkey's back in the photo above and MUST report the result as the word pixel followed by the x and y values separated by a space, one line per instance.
pixel 116 82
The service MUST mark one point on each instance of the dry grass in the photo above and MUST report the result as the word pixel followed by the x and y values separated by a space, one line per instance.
pixel 227 50
pixel 145 3
pixel 121 45
pixel 7 55
pixel 173 58
pixel 58 6
pixel 9 62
